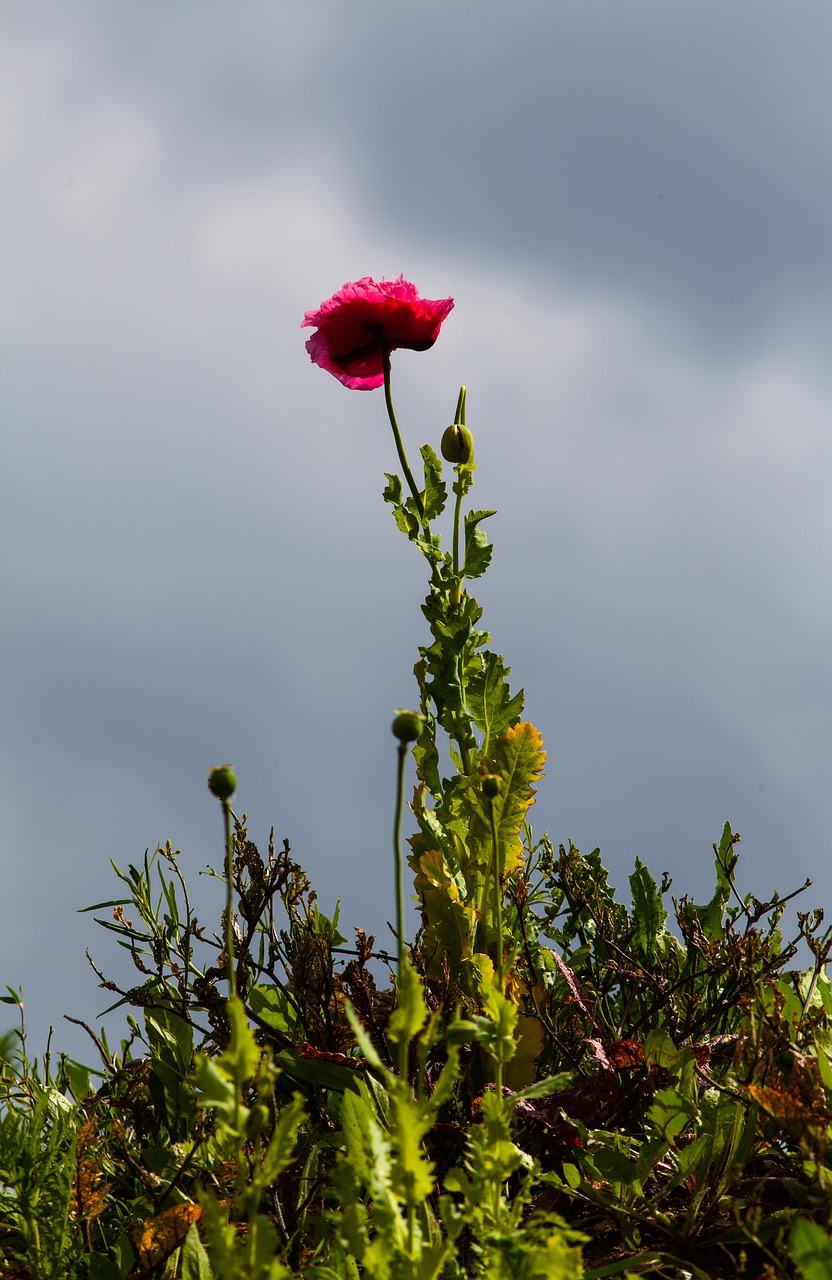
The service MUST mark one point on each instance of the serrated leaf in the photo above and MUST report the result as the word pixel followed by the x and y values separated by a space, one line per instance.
pixel 412 1170
pixel 448 937
pixel 158 1237
pixel 528 1046
pixel 243 1054
pixel 544 1088
pixel 406 519
pixel 649 913
pixel 519 758
pixel 392 491
pixel 435 493
pixel 281 1148
pixel 490 702
pixel 478 550
pixel 363 1040
pixel 711 915
pixel 410 1013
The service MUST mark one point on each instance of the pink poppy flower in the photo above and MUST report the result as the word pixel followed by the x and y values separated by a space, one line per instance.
pixel 353 324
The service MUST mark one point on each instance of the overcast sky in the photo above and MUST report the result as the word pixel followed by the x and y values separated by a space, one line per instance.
pixel 631 205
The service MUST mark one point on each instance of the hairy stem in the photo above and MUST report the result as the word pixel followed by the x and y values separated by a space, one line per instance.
pixel 229 900
pixel 398 860
pixel 397 435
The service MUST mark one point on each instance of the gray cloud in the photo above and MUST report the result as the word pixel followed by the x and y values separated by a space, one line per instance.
pixel 198 564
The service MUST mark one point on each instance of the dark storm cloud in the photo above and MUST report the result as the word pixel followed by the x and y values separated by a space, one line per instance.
pixel 202 568
pixel 676 151
pixel 680 150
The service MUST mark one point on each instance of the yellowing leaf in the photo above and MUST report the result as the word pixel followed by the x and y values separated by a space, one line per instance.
pixel 520 757
pixel 156 1238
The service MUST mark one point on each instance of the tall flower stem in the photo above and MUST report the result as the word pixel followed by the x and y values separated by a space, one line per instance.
pixel 397 855
pixel 457 511
pixel 397 851
pixel 459 420
pixel 397 435
pixel 229 900
pixel 497 867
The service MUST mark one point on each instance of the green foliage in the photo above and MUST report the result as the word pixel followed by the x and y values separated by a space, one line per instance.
pixel 555 1084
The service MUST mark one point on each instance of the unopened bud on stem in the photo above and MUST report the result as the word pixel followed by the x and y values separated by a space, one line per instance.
pixel 222 782
pixel 492 785
pixel 458 444
pixel 407 725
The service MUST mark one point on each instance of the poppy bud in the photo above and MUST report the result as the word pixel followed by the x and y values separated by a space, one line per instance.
pixel 407 725
pixel 458 445
pixel 222 782
pixel 492 785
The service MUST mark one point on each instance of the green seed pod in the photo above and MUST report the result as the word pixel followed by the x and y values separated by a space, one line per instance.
pixel 458 445
pixel 407 725
pixel 222 782
pixel 492 785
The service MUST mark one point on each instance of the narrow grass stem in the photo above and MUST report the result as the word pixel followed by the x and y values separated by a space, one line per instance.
pixel 397 435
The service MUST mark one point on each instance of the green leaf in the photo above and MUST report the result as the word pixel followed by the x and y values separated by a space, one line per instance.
pixel 281 1148
pixel 490 702
pixel 496 1031
pixel 711 916
pixel 448 935
pixel 243 1054
pixel 215 1088
pixel 811 1249
pixel 544 1088
pixel 412 1170
pixel 671 1113
pixel 356 1121
pixel 316 1071
pixel 406 520
pixel 435 494
pixel 272 1006
pixel 478 550
pixel 410 1013
pixel 649 913
pixel 365 1044
pixel 195 1264
pixel 660 1050
pixel 614 1166
pixel 518 758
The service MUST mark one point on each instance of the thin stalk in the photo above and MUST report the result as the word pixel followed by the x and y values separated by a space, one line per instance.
pixel 498 915
pixel 229 900
pixel 397 435
pixel 459 417
pixel 457 509
pixel 398 860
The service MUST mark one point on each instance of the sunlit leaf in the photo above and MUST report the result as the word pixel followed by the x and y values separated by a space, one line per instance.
pixel 649 913
pixel 410 1013
pixel 478 550
pixel 157 1237
pixel 490 701
pixel 811 1249
pixel 435 494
